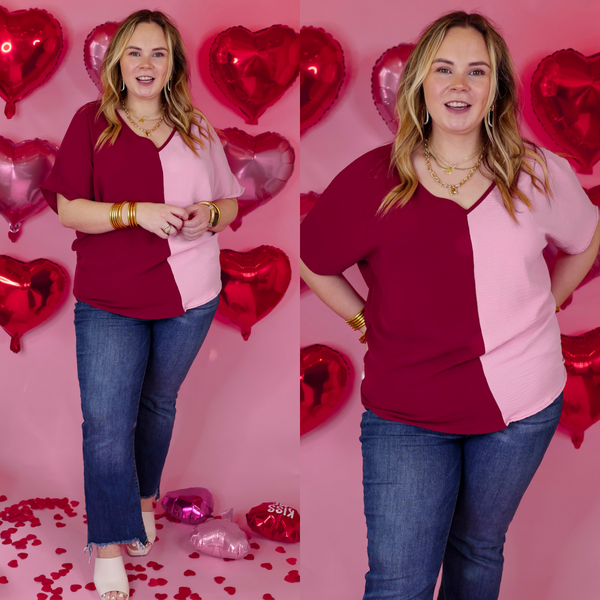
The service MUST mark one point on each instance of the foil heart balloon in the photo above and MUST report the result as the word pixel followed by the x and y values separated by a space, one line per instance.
pixel 253 70
pixel 253 284
pixel 23 168
pixel 581 400
pixel 307 201
pixel 190 505
pixel 321 74
pixel 262 164
pixel 550 251
pixel 565 92
pixel 30 44
pixel 94 50
pixel 29 294
pixel 221 537
pixel 275 521
pixel 385 81
pixel 324 375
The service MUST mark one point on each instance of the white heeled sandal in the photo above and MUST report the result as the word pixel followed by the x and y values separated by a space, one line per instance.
pixel 137 549
pixel 110 576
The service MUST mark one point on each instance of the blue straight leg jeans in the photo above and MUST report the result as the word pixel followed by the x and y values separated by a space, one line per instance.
pixel 130 371
pixel 444 500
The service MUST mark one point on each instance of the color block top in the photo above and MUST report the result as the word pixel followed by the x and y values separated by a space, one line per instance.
pixel 461 327
pixel 133 272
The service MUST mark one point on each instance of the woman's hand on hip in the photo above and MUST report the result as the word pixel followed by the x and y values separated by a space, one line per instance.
pixel 156 218
pixel 197 222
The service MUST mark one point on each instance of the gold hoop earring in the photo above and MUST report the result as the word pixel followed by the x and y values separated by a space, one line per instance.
pixel 426 118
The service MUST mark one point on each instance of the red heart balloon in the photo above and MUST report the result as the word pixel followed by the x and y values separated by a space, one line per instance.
pixel 254 283
pixel 253 70
pixel 307 201
pixel 94 50
pixel 30 44
pixel 385 81
pixel 321 74
pixel 262 164
pixel 565 92
pixel 581 407
pixel 275 521
pixel 24 167
pixel 29 294
pixel 324 374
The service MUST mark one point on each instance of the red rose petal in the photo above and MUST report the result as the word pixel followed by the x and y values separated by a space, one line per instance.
pixel 23 555
pixel 194 555
pixel 254 545
pixel 280 549
pixel 268 597
pixel 75 587
pixel 292 561
pixel 91 586
pixel 219 579
pixel 249 557
pixel 3 579
pixel 267 566
pixel 13 564
pixel 160 596
pixel 230 590
pixel 61 525
pixel 189 573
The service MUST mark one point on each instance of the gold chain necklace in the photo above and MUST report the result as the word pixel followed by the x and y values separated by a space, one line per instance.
pixel 142 118
pixel 449 167
pixel 452 188
pixel 147 132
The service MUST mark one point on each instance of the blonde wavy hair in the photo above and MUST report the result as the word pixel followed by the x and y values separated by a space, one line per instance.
pixel 179 109
pixel 505 152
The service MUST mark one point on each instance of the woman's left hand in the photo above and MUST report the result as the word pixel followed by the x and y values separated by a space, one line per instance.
pixel 197 222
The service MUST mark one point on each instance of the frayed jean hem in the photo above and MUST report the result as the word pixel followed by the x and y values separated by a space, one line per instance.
pixel 88 548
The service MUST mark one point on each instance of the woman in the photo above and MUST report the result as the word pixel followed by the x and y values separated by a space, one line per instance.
pixel 464 372
pixel 143 179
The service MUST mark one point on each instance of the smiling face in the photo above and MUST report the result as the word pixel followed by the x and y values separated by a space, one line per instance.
pixel 457 86
pixel 145 63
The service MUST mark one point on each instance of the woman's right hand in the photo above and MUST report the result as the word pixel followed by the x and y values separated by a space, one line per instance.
pixel 155 217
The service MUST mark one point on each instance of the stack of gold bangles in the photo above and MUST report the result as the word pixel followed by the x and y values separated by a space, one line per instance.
pixel 116 220
pixel 358 322
pixel 215 214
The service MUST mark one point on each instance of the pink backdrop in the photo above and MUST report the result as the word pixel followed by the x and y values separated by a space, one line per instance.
pixel 236 431
pixel 552 548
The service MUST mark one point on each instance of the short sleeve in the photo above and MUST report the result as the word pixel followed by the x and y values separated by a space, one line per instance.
pixel 73 172
pixel 569 220
pixel 339 230
pixel 225 183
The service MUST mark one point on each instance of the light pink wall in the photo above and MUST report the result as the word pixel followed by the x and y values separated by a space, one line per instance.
pixel 552 548
pixel 236 431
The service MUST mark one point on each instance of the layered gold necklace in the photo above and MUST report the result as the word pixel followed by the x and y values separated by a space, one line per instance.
pixel 146 132
pixel 448 166
pixel 451 187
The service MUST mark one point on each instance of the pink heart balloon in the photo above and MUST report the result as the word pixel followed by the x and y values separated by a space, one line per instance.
pixel 190 505
pixel 386 79
pixel 23 168
pixel 94 50
pixel 262 164
pixel 221 537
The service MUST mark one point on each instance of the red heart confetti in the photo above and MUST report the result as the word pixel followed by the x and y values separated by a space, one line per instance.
pixel 268 597
pixel 280 549
pixel 55 575
pixel 267 566
pixel 154 565
pixel 42 596
pixel 139 568
pixel 230 590
pixel 194 555
pixel 61 525
pixel 58 550
pixel 249 557
pixel 227 559
pixel 74 503
pixel 159 525
pixel 131 592
pixel 3 579
pixel 38 542
pixel 292 561
pixel 131 577
pixel 143 577
pixel 129 566
pixel 58 517
pixel 255 546
pixel 219 579
pixel 91 586
pixel 75 587
pixel 155 582
pixel 160 596
pixel 195 596
pixel 13 564
pixel 3 498
pixel 189 573
pixel 67 566
pixel 23 555
pixel 292 577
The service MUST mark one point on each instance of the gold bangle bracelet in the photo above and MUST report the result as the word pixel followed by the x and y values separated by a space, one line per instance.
pixel 214 210
pixel 218 211
pixel 358 320
pixel 131 214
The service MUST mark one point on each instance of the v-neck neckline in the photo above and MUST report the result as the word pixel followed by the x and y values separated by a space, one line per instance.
pixel 158 148
pixel 465 210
